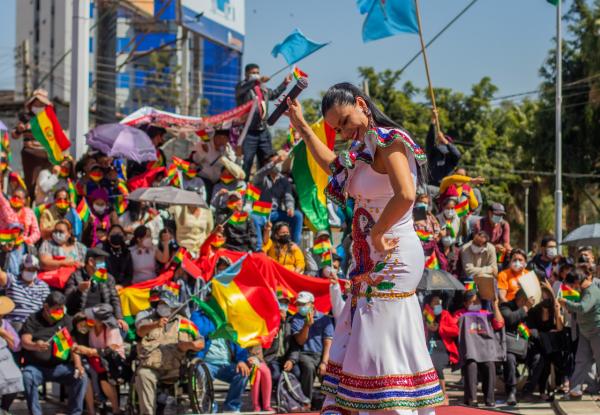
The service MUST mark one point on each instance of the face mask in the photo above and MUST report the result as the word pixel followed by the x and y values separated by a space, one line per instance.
pixel 437 309
pixel 147 243
pixel 304 310
pixel 449 213
pixel 37 110
pixel 62 205
pixel 96 176
pixel 57 314
pixel 253 77
pixel 116 239
pixel 447 241
pixel 551 252
pixel 163 310
pixel 99 208
pixel 474 307
pixel 28 276
pixel 421 205
pixel 476 249
pixel 284 239
pixel 100 265
pixel 16 203
pixel 283 307
pixel 516 266
pixel 496 219
pixel 59 237
pixel 83 328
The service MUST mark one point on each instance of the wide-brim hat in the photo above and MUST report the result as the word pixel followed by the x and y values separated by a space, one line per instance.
pixel 6 305
pixel 103 313
pixel 41 95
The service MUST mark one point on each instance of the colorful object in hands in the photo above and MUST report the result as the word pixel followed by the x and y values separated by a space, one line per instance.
pixel 238 218
pixel 218 242
pixel 462 208
pixel 179 255
pixel 5 146
pixel 72 191
pixel 173 176
pixel 184 166
pixel 298 73
pixel 121 205
pixel 227 177
pixel 424 235
pixel 432 262
pixel 8 235
pixel 326 258
pixel 101 275
pixel 428 314
pixel 470 285
pixel 62 344
pixel 63 172
pixel 16 202
pixel 13 177
pixel 46 129
pixel 203 135
pixel 83 210
pixel 523 331
pixel 569 293
pixel 187 326
pixel 252 192
pixel 57 314
pixel 262 208
pixel 39 209
pixel 173 287
pixel 233 204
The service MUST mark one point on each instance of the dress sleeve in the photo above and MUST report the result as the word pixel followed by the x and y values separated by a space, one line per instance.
pixel 384 137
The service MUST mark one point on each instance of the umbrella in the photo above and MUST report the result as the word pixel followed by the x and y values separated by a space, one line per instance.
pixel 3 126
pixel 122 141
pixel 436 279
pixel 167 195
pixel 584 235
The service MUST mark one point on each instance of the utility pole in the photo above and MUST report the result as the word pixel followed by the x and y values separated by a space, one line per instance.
pixel 106 61
pixel 80 69
pixel 25 68
pixel 185 85
pixel 526 185
pixel 558 128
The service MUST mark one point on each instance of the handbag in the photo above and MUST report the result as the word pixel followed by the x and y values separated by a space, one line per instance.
pixel 516 344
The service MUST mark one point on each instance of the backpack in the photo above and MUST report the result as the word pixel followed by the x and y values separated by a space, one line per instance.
pixel 290 397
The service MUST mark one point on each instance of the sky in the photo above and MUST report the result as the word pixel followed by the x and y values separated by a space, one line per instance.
pixel 507 40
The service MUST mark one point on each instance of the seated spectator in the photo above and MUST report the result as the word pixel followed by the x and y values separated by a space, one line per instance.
pixel 449 221
pixel 284 350
pixel 424 220
pixel 451 253
pixel 313 331
pixel 542 262
pixel 161 349
pixel 40 365
pixel 50 180
pixel 496 227
pixel 587 312
pixel 18 212
pixel 118 263
pixel 238 236
pixel 138 214
pixel 514 313
pixel 85 290
pixel 225 360
pixel 26 291
pixel 103 336
pixel 144 255
pixel 63 250
pixel 166 241
pixel 442 335
pixel 479 347
pixel 11 379
pixel 228 182
pixel 321 250
pixel 508 280
pixel 12 253
pixel 280 247
pixel 192 181
pixel 58 210
pixel 478 257
pixel 97 226
pixel 260 391
pixel 193 225
pixel 277 189
pixel 464 185
pixel 158 135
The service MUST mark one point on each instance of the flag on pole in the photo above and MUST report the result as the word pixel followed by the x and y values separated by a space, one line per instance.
pixel 252 192
pixel 262 208
pixel 296 47
pixel 238 218
pixel 8 235
pixel 83 210
pixel 187 326
pixel 387 18
pixel 62 344
pixel 5 146
pixel 72 191
pixel 15 178
pixel 299 73
pixel 428 314
pixel 47 130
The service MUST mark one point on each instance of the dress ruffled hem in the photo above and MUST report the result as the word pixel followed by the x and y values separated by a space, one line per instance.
pixel 376 393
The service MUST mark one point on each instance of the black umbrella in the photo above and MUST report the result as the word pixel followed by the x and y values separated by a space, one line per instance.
pixel 438 280
pixel 584 235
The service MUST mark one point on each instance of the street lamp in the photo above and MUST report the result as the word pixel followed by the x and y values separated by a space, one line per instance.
pixel 526 185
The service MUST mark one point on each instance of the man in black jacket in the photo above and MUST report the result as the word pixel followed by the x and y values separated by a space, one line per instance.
pixel 442 155
pixel 514 313
pixel 258 139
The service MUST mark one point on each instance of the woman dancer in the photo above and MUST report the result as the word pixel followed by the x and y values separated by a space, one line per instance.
pixel 379 360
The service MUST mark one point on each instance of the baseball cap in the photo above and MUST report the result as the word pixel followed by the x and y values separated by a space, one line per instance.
pixel 498 208
pixel 103 313
pixel 30 261
pixel 95 252
pixel 169 298
pixel 304 297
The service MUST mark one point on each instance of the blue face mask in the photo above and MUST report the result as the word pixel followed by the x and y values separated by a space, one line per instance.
pixel 304 310
pixel 283 307
pixel 437 309
pixel 420 205
pixel 100 265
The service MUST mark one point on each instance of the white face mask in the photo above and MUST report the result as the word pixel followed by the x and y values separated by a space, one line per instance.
pixel 37 110
pixel 476 249
pixel 447 241
pixel 449 213
pixel 59 237
pixel 517 266
pixel 99 208
pixel 474 307
pixel 163 310
pixel 551 252
pixel 28 276
pixel 254 77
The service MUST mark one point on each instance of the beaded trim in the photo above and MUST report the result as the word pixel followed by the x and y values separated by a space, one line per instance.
pixel 389 295
pixel 386 138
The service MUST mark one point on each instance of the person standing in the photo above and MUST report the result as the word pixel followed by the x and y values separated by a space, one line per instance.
pixel 258 139
pixel 442 154
pixel 542 262
pixel 379 346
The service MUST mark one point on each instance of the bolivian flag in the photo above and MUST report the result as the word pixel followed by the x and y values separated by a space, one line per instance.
pixel 432 262
pixel 462 208
pixel 311 180
pixel 47 130
pixel 238 218
pixel 62 344
pixel 8 235
pixel 83 210
pixel 428 314
pixel 262 208
pixel 424 235
pixel 187 326
pixel 252 192
pixel 569 293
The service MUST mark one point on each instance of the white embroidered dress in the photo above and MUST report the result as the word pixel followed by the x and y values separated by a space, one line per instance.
pixel 379 359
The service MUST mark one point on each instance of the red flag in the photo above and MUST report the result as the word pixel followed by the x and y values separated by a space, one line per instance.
pixel 57 278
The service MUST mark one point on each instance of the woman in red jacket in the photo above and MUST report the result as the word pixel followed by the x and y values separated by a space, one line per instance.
pixel 441 330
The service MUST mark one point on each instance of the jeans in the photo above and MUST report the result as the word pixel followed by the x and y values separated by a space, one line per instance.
pixel 588 353
pixel 34 376
pixel 256 143
pixel 237 384
pixel 510 372
pixel 295 223
pixel 308 364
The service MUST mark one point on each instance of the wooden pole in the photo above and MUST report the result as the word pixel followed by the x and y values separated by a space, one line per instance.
pixel 426 62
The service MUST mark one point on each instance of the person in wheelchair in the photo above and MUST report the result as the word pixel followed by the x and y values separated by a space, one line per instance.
pixel 165 338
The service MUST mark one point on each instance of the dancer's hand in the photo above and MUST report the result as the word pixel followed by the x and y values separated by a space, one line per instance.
pixel 294 113
pixel 382 243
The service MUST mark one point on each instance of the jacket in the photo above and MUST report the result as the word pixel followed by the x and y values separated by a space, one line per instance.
pixel 278 191
pixel 241 237
pixel 513 315
pixel 588 311
pixel 247 89
pixel 77 301
pixel 441 158
pixel 119 264
pixel 206 327
pixel 284 346
pixel 484 263
pixel 448 331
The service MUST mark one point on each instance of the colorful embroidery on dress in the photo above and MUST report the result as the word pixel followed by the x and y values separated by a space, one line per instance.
pixel 361 251
pixel 385 137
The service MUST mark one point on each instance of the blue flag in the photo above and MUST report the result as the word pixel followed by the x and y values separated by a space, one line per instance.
pixel 228 274
pixel 387 18
pixel 296 47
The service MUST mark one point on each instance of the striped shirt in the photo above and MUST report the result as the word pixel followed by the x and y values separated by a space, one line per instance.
pixel 27 298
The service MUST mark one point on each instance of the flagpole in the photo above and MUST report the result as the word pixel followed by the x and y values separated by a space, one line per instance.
pixel 431 94
pixel 558 128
